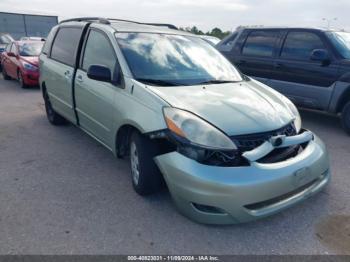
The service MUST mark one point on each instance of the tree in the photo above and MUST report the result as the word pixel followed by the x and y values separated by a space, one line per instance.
pixel 217 32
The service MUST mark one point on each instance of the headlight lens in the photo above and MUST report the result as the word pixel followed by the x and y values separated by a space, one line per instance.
pixel 295 112
pixel 30 67
pixel 196 130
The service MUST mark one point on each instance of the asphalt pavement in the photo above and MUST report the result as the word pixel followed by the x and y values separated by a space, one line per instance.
pixel 61 192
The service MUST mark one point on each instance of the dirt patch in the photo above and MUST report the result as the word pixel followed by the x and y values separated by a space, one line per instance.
pixel 334 232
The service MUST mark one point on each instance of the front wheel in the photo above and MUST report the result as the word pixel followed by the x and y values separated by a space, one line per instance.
pixel 146 177
pixel 53 117
pixel 345 117
pixel 21 80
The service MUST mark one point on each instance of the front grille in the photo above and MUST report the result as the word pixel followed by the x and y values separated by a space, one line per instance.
pixel 251 141
pixel 281 154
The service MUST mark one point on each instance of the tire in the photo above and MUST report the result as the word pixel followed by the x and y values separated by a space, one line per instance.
pixel 5 75
pixel 21 80
pixel 146 177
pixel 53 117
pixel 345 117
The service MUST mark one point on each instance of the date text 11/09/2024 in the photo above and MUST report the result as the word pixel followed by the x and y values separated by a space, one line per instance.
pixel 173 258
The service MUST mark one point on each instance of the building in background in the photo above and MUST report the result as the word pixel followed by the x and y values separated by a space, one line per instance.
pixel 19 25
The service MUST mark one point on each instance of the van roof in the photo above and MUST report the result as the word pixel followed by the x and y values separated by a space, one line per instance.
pixel 122 25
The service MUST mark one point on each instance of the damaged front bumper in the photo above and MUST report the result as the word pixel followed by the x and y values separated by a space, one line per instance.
pixel 227 195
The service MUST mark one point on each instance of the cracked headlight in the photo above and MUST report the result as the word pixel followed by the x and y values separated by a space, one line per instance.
pixel 195 130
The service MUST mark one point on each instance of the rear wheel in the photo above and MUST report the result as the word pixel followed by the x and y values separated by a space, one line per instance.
pixel 146 177
pixel 5 75
pixel 53 117
pixel 345 117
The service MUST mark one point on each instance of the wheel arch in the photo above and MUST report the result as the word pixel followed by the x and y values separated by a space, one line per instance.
pixel 122 139
pixel 43 89
pixel 340 94
pixel 344 98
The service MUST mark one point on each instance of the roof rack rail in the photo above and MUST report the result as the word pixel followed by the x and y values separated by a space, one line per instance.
pixel 170 26
pixel 107 21
pixel 81 19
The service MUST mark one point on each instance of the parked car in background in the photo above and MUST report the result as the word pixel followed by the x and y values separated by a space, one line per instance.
pixel 32 38
pixel 5 39
pixel 229 148
pixel 20 61
pixel 310 66
pixel 210 39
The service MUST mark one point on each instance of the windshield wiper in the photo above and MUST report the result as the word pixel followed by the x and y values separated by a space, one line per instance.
pixel 157 82
pixel 214 81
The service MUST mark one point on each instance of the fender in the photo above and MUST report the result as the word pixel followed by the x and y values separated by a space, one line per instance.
pixel 340 94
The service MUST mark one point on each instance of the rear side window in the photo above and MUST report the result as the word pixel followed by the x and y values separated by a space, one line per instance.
pixel 65 45
pixel 260 43
pixel 299 45
pixel 98 51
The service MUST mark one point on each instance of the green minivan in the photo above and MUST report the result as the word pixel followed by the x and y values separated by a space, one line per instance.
pixel 228 148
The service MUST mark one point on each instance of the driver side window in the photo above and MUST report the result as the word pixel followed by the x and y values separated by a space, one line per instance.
pixel 98 51
pixel 299 45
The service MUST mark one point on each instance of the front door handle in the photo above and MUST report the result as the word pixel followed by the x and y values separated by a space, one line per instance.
pixel 67 74
pixel 278 65
pixel 79 78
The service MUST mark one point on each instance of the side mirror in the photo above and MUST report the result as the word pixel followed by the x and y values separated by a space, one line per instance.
pixel 11 54
pixel 99 73
pixel 320 55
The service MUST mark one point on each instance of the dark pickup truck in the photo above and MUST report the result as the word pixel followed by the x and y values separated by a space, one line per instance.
pixel 310 66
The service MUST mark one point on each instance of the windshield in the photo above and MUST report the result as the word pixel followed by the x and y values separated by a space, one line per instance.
pixel 211 40
pixel 341 40
pixel 164 59
pixel 30 49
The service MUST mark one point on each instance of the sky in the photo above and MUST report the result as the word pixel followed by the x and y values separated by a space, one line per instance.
pixel 205 14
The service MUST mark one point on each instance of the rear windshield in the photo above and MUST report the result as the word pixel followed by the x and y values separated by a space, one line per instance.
pixel 30 49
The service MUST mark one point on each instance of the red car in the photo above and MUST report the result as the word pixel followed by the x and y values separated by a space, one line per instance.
pixel 20 61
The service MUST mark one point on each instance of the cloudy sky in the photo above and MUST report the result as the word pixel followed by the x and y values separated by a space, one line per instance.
pixel 205 14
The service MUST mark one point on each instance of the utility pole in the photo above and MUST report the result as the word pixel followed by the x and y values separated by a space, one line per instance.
pixel 329 21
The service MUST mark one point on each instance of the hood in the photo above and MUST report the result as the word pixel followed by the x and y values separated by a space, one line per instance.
pixel 34 60
pixel 235 108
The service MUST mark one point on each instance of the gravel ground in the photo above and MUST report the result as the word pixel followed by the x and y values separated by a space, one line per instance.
pixel 63 193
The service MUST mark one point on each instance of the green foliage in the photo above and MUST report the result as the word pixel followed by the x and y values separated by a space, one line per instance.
pixel 217 32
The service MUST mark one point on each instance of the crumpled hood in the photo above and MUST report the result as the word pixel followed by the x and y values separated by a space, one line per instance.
pixel 235 108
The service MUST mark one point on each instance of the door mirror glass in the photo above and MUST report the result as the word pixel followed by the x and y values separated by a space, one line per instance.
pixel 319 55
pixel 99 73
